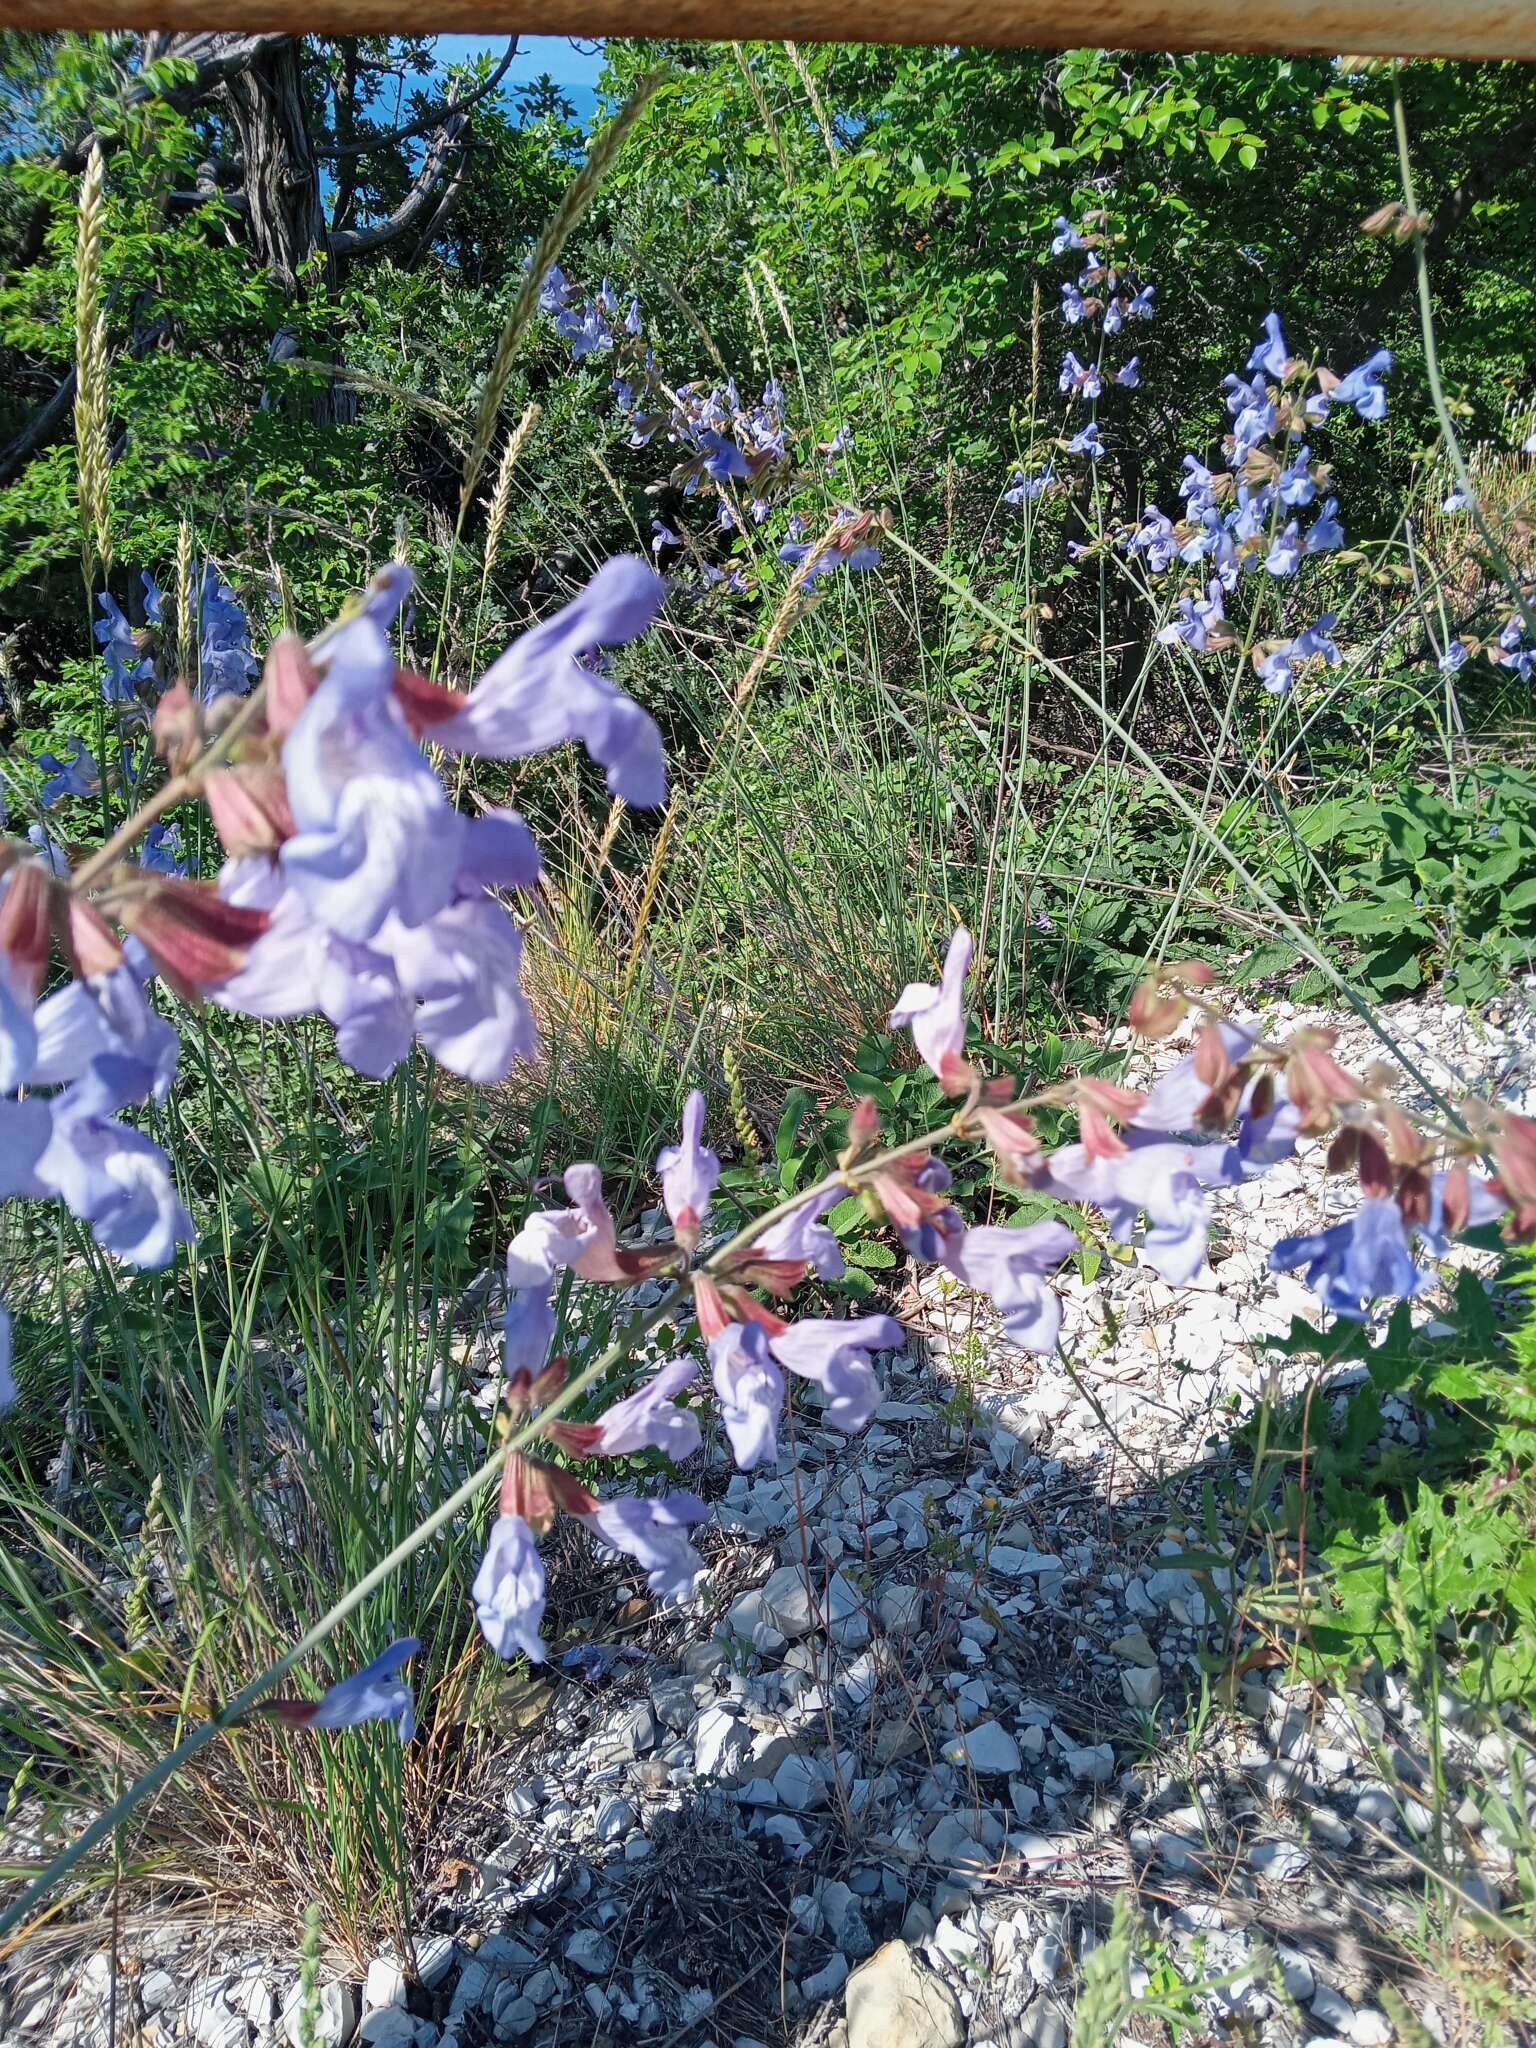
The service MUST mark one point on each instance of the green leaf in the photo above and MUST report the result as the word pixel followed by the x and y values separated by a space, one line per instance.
pixel 871 1252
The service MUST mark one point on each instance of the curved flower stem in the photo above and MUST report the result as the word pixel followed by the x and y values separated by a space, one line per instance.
pixel 173 792
pixel 1523 604
pixel 190 780
pixel 638 1327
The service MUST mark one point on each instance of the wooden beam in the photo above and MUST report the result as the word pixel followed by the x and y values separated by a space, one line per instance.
pixel 1389 28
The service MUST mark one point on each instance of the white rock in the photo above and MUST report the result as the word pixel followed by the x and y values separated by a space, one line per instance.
pixel 1141 1686
pixel 1332 2010
pixel 1279 1860
pixel 1095 1763
pixel 1370 2028
pixel 720 1742
pixel 988 1748
pixel 590 1950
pixel 832 1976
pixel 434 1959
pixel 517 2017
pixel 615 1818
pixel 383 1983
pixel 1046 1959
pixel 388 2026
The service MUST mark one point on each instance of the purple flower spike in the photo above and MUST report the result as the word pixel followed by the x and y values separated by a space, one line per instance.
pixel 937 1015
pixel 750 1390
pixel 509 1590
pixel 540 694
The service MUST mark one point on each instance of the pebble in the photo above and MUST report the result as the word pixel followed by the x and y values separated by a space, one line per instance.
pixel 987 1748
pixel 590 1950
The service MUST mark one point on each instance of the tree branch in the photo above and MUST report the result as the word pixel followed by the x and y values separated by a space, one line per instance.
pixel 1512 153
pixel 422 195
pixel 217 60
pixel 424 122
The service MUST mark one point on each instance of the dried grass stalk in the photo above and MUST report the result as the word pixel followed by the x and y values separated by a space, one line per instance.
pixel 584 189
pixel 91 396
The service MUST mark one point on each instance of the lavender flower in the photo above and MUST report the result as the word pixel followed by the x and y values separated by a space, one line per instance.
pixel 750 1390
pixel 80 775
pixel 936 1015
pixel 509 1590
pixel 654 1533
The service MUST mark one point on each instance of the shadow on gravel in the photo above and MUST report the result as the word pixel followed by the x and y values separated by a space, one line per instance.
pixel 960 1695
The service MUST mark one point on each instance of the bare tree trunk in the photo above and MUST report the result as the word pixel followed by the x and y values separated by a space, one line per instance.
pixel 281 172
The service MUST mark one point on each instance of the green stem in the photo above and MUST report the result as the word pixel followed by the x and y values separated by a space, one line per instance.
pixel 1523 604
pixel 160 1773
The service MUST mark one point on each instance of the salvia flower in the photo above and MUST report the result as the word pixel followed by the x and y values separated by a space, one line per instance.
pixel 1074 307
pixel 655 1534
pixel 1363 388
pixel 835 1355
pixel 1129 373
pixel 1087 442
pixel 376 1693
pixel 689 1173
pixel 936 1015
pixel 649 1419
pixel 1022 488
pixel 1271 354
pixel 79 775
pixel 750 1390
pixel 1356 1263
pixel 509 1590
pixel 1066 237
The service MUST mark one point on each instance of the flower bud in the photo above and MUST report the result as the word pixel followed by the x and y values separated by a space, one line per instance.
pixel 291 681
